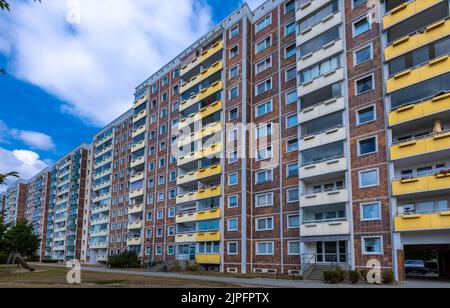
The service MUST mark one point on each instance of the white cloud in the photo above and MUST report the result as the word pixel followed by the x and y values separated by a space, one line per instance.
pixel 95 65
pixel 27 163
pixel 35 140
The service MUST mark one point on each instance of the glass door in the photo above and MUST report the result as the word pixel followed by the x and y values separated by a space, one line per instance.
pixel 332 252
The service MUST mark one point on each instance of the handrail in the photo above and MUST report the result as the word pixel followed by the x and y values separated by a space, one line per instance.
pixel 424 174
pixel 324 191
pixel 414 67
pixel 309 261
pixel 328 100
pixel 323 160
pixel 415 212
pixel 324 221
pixel 420 101
pixel 421 137
pixel 322 131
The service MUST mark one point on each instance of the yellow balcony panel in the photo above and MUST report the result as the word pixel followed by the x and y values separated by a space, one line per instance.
pixel 216 67
pixel 199 195
pixel 139 116
pixel 209 151
pixel 140 101
pixel 213 236
pixel 138 131
pixel 135 225
pixel 198 216
pixel 136 209
pixel 185 238
pixel 206 111
pixel 208 259
pixel 214 88
pixel 416 111
pixel 202 133
pixel 200 174
pixel 421 146
pixel 134 242
pixel 406 10
pixel 205 55
pixel 435 221
pixel 421 184
pixel 137 177
pixel 406 44
pixel 137 162
pixel 407 78
pixel 136 193
pixel 138 146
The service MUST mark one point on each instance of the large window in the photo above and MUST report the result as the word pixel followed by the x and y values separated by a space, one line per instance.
pixel 318 42
pixel 264 200
pixel 264 224
pixel 264 44
pixel 372 245
pixel 317 18
pixel 370 211
pixel 264 248
pixel 322 124
pixel 368 178
pixel 320 69
pixel 261 25
pixel 323 153
pixel 322 95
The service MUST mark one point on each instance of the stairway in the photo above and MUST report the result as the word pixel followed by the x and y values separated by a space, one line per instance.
pixel 317 272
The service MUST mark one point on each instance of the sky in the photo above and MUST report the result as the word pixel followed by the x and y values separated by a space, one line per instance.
pixel 72 67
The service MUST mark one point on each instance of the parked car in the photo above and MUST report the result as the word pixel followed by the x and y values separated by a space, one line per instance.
pixel 415 266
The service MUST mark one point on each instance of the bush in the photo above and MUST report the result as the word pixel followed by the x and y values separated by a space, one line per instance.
pixel 363 273
pixel 3 257
pixel 126 260
pixel 388 277
pixel 192 266
pixel 354 276
pixel 332 276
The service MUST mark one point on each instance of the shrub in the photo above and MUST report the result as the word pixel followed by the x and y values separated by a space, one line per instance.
pixel 332 276
pixel 354 276
pixel 341 273
pixel 363 273
pixel 192 266
pixel 126 260
pixel 3 257
pixel 388 277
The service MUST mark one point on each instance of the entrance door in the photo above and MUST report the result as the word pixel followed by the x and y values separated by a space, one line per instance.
pixel 332 252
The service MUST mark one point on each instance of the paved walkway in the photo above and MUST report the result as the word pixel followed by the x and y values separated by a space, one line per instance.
pixel 264 282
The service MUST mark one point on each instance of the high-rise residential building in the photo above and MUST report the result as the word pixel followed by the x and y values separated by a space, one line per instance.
pixel 2 203
pixel 14 204
pixel 66 206
pixel 416 45
pixel 36 206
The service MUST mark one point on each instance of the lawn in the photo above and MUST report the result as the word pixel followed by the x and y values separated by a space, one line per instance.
pixel 49 277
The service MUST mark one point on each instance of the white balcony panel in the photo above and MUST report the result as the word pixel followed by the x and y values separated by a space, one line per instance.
pixel 328 107
pixel 323 198
pixel 325 52
pixel 308 7
pixel 330 136
pixel 321 82
pixel 325 228
pixel 323 168
pixel 326 24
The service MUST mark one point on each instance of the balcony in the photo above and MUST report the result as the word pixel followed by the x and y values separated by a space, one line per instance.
pixel 207 236
pixel 136 147
pixel 323 198
pixel 199 216
pixel 104 139
pixel 101 221
pixel 206 152
pixel 59 248
pixel 406 10
pixel 325 52
pixel 418 222
pixel 99 246
pixel 200 174
pixel 102 258
pixel 98 233
pixel 137 177
pixel 134 241
pixel 324 167
pixel 137 162
pixel 136 209
pixel 214 88
pixel 329 136
pixel 216 67
pixel 101 197
pixel 205 55
pixel 136 132
pixel 322 109
pixel 418 39
pixel 100 209
pixel 212 129
pixel 327 23
pixel 140 101
pixel 436 182
pixel 213 259
pixel 335 227
pixel 103 162
pixel 321 81
pixel 203 113
pixel 426 108
pixel 136 193
pixel 135 225
pixel 306 7
pixel 104 151
pixel 102 174
pixel 424 145
pixel 407 78
pixel 101 185
pixel 139 116
pixel 199 195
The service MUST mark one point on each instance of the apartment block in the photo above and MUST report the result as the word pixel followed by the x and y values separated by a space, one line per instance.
pixel 416 46
pixel 2 203
pixel 66 206
pixel 36 206
pixel 14 202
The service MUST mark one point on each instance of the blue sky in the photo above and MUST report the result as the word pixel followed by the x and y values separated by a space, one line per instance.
pixel 72 70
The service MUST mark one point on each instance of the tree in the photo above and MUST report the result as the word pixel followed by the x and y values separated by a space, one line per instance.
pixel 7 175
pixel 21 239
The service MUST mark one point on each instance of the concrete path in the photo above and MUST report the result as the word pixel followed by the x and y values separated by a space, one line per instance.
pixel 264 282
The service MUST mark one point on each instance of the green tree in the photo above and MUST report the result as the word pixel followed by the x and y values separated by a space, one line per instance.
pixel 21 239
pixel 3 177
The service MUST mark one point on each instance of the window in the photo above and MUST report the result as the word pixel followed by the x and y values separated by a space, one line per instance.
pixel 292 170
pixel 264 224
pixel 263 65
pixel 264 44
pixel 264 130
pixel 264 87
pixel 233 179
pixel 233 135
pixel 264 200
pixel 290 51
pixel 233 92
pixel 367 146
pixel 361 26
pixel 232 224
pixel 233 114
pixel 232 248
pixel 292 195
pixel 264 108
pixel 366 115
pixel 171 212
pixel 264 248
pixel 289 29
pixel 232 202
pixel 293 221
pixel 362 55
pixel 294 248
pixel 364 85
pixel 291 73
pixel 170 250
pixel 320 15
pixel 159 250
pixel 320 69
pixel 291 97
pixel 368 178
pixel 233 72
pixel 370 211
pixel 289 6
pixel 234 51
pixel 149 216
pixel 264 153
pixel 234 31
pixel 291 121
pixel 233 157
pixel 358 3
pixel 261 25
pixel 319 41
pixel 159 214
pixel 372 245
